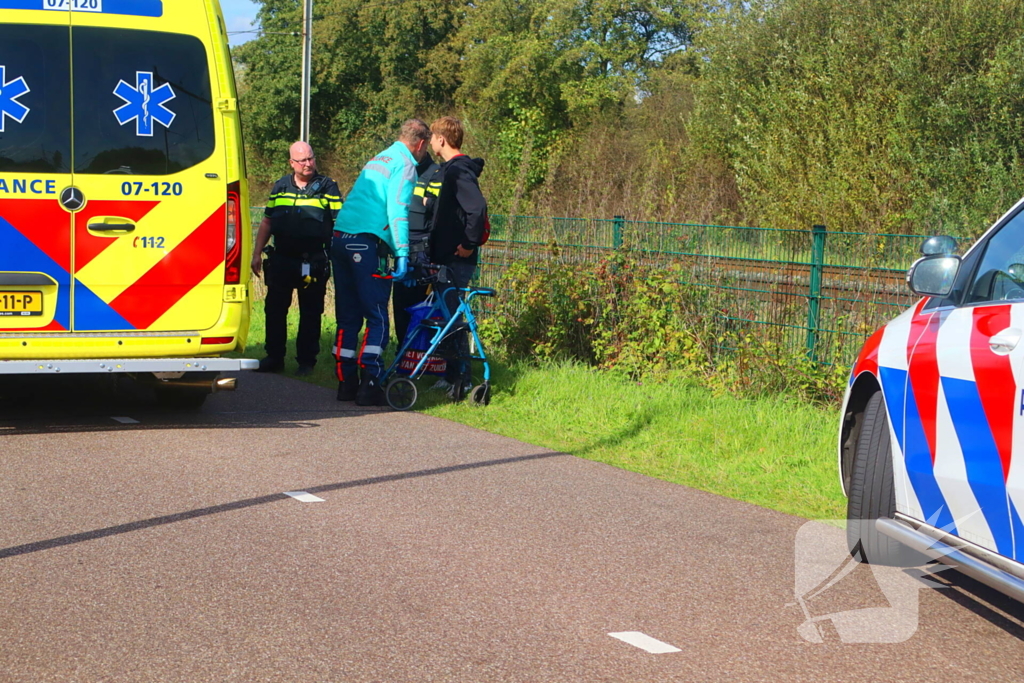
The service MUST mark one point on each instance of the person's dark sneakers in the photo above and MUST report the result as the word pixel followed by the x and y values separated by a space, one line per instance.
pixel 370 393
pixel 348 389
pixel 304 371
pixel 269 364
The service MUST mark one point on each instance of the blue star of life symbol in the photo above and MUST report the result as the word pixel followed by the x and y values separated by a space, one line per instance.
pixel 144 104
pixel 9 94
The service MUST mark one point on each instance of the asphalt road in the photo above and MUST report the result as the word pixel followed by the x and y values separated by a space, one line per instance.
pixel 140 545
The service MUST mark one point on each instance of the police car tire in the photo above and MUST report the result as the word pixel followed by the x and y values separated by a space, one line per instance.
pixel 872 494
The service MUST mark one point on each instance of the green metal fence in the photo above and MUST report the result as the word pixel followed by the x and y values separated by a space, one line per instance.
pixel 813 290
pixel 817 290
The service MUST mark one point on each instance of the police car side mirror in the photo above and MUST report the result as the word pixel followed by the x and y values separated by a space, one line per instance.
pixel 933 275
pixel 940 245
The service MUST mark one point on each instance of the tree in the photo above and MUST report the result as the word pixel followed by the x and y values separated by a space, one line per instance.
pixel 374 65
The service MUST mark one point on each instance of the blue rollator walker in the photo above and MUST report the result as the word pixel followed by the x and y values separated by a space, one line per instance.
pixel 440 325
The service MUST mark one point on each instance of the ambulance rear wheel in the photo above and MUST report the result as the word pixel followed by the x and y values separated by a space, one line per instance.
pixel 401 393
pixel 175 398
pixel 872 494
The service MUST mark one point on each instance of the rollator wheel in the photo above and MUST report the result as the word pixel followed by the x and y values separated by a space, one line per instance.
pixel 481 394
pixel 401 393
pixel 459 390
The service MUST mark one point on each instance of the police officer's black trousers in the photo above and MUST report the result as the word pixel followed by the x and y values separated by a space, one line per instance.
pixel 283 276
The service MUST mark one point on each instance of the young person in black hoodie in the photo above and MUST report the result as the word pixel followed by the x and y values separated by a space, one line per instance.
pixel 458 229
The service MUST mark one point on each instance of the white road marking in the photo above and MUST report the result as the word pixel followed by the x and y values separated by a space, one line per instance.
pixel 645 642
pixel 304 497
pixel 125 420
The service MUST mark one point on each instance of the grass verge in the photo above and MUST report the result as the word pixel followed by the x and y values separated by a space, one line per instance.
pixel 773 452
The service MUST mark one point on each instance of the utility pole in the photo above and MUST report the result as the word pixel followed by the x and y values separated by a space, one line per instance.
pixel 307 64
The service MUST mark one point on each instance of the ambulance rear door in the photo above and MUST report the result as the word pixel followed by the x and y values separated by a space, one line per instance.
pixel 35 167
pixel 149 239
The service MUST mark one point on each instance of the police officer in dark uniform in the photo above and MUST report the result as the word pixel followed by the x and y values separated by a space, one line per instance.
pixel 300 217
pixel 421 213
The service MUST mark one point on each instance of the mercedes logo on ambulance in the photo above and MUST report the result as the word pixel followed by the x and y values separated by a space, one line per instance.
pixel 72 199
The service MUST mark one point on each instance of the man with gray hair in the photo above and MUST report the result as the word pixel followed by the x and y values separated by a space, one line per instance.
pixel 373 225
pixel 300 213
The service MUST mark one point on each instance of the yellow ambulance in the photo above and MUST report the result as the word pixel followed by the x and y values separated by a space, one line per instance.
pixel 124 239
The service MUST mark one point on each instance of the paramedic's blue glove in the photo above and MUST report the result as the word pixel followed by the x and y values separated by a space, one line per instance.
pixel 401 268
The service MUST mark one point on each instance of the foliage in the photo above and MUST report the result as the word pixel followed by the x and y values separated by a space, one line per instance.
pixel 867 114
pixel 374 65
pixel 864 115
pixel 521 72
pixel 642 322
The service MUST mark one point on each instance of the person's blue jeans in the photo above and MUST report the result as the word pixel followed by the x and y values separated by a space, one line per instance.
pixel 360 298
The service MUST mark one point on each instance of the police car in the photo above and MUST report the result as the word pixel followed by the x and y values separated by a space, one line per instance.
pixel 931 447
pixel 122 193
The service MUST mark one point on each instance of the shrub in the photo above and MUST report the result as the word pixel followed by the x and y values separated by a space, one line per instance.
pixel 645 322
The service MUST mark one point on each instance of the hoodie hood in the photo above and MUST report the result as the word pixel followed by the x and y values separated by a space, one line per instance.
pixel 475 165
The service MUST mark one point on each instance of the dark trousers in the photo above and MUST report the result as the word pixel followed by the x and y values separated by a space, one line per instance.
pixel 360 298
pixel 404 297
pixel 460 272
pixel 283 276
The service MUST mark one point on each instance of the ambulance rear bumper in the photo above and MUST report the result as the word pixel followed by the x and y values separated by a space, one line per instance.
pixel 127 365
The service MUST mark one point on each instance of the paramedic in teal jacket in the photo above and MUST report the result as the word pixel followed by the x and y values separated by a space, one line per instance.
pixel 373 225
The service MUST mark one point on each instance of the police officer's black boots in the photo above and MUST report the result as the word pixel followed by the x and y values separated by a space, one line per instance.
pixel 348 388
pixel 370 393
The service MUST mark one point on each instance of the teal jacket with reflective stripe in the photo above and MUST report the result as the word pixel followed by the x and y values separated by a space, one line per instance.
pixel 379 201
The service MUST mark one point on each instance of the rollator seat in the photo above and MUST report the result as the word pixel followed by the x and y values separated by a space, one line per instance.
pixel 439 324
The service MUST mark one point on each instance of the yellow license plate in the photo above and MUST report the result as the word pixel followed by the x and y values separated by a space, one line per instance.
pixel 21 303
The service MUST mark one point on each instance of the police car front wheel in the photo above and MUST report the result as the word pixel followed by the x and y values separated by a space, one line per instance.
pixel 872 494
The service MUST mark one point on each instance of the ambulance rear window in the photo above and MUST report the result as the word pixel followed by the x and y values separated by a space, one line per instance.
pixel 142 102
pixel 35 99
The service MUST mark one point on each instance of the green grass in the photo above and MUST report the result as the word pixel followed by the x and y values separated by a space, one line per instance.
pixel 772 452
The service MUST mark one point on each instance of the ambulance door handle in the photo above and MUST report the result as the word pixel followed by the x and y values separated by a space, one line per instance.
pixel 111 224
pixel 1003 342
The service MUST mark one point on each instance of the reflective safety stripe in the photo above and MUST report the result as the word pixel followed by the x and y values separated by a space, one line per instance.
pixel 298 201
pixel 345 353
pixel 422 190
pixel 369 350
pixel 291 199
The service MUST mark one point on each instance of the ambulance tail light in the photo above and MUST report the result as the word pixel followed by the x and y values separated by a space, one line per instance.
pixel 233 238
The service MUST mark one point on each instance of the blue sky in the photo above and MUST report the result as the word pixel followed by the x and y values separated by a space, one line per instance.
pixel 238 15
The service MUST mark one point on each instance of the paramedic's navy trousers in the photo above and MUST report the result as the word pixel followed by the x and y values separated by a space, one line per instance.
pixel 359 297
